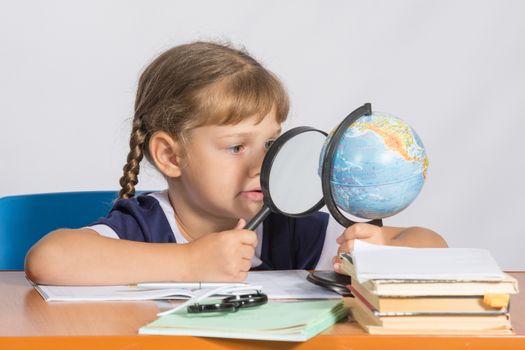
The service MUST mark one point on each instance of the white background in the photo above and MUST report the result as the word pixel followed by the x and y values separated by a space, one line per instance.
pixel 453 69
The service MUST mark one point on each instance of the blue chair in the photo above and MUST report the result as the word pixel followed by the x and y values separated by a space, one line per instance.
pixel 24 219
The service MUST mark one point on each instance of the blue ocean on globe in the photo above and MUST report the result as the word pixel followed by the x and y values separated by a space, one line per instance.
pixel 379 167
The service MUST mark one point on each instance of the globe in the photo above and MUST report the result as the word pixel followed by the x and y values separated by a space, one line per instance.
pixel 379 166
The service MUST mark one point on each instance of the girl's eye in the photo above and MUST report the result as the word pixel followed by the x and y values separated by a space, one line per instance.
pixel 236 149
pixel 268 144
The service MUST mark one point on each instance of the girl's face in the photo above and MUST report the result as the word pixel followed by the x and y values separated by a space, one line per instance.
pixel 221 174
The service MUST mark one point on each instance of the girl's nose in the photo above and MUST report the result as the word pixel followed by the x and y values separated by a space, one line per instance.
pixel 256 164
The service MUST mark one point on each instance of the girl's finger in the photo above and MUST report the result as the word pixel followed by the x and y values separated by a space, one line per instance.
pixel 349 246
pixel 358 231
pixel 336 259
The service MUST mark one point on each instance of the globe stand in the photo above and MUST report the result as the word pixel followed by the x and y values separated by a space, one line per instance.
pixel 328 162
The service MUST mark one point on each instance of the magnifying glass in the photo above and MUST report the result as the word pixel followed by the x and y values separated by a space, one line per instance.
pixel 327 165
pixel 289 175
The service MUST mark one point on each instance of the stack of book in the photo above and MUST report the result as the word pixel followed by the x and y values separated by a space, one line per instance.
pixel 428 290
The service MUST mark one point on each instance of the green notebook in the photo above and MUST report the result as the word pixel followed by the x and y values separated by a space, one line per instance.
pixel 284 321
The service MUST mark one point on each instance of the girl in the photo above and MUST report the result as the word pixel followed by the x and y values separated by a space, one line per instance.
pixel 205 114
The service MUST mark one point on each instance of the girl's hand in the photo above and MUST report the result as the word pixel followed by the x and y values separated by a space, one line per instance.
pixel 366 232
pixel 223 256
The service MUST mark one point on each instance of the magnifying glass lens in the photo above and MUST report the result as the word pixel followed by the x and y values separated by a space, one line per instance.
pixel 289 176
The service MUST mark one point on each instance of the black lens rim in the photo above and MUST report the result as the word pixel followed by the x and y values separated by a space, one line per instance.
pixel 327 166
pixel 267 167
pixel 214 307
pixel 247 300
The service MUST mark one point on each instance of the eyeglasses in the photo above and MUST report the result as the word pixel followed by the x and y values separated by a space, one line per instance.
pixel 231 303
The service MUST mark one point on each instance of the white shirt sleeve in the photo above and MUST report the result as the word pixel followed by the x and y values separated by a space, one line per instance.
pixel 103 230
pixel 330 246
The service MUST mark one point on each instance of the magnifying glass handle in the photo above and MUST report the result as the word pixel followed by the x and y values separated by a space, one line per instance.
pixel 258 218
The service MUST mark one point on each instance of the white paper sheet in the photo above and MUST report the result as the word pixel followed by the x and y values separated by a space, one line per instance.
pixel 289 284
pixel 386 262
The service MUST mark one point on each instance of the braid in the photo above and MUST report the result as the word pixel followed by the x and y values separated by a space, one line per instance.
pixel 131 170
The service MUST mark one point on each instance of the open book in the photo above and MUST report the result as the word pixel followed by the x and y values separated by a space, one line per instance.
pixel 291 284
pixel 109 293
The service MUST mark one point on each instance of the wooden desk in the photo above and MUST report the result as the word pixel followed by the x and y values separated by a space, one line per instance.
pixel 27 322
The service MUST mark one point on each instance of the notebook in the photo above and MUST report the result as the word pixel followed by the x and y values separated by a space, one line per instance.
pixel 277 320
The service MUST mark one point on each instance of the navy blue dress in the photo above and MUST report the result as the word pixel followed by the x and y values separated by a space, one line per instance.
pixel 287 244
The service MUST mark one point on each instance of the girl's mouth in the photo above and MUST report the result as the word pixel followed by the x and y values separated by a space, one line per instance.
pixel 255 195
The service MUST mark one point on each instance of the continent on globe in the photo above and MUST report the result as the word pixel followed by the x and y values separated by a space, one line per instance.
pixel 379 167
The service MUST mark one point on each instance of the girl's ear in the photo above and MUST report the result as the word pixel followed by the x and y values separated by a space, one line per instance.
pixel 166 154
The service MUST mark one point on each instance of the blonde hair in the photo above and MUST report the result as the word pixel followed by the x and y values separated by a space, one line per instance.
pixel 197 84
